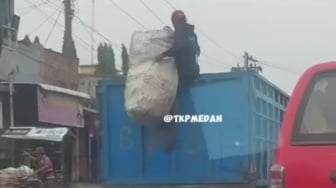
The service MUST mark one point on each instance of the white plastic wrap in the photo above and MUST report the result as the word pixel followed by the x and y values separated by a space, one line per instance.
pixel 21 171
pixel 24 171
pixel 150 86
pixel 9 170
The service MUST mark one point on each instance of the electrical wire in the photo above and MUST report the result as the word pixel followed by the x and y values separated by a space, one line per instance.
pixel 217 44
pixel 53 27
pixel 152 12
pixel 155 15
pixel 200 31
pixel 137 21
pixel 160 20
pixel 88 31
pixel 41 24
pixel 127 14
pixel 279 67
pixel 212 58
pixel 204 62
pixel 29 7
pixel 169 4
pixel 207 36
pixel 89 27
pixel 62 27
pixel 98 33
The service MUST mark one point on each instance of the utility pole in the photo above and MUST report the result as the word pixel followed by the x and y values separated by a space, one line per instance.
pixel 69 49
pixel 12 48
pixel 248 66
pixel 248 58
pixel 92 32
pixel 92 62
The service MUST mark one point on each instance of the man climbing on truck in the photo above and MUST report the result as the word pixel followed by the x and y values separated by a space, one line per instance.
pixel 185 50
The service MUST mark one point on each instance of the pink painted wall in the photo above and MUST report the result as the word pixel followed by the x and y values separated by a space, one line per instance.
pixel 59 109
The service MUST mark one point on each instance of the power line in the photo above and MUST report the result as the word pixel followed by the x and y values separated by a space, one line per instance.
pixel 169 4
pixel 53 5
pixel 206 35
pixel 50 3
pixel 212 63
pixel 152 12
pixel 87 30
pixel 89 27
pixel 92 33
pixel 40 10
pixel 41 24
pixel 155 15
pixel 113 43
pixel 217 44
pixel 146 6
pixel 248 58
pixel 128 15
pixel 279 67
pixel 31 6
pixel 210 57
pixel 53 27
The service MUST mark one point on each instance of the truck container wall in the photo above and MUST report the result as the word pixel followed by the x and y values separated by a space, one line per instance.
pixel 239 150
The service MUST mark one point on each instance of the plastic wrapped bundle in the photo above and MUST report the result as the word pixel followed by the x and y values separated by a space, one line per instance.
pixel 150 86
pixel 24 171
pixel 9 170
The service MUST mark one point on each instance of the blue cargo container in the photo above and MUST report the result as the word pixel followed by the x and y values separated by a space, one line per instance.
pixel 239 150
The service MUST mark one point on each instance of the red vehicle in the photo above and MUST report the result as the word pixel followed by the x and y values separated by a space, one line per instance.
pixel 306 156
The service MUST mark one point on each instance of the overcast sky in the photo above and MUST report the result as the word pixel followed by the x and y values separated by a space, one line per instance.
pixel 287 35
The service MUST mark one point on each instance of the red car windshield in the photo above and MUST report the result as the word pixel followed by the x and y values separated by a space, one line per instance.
pixel 317 118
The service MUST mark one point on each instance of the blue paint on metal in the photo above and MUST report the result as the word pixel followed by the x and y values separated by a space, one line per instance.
pixel 251 108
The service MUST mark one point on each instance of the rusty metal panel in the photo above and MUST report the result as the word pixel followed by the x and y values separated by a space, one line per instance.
pixel 60 109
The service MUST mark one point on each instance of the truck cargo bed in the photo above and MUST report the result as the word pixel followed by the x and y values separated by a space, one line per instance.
pixel 208 153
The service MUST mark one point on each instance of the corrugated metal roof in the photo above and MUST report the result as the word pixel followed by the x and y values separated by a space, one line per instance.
pixel 64 90
pixel 55 89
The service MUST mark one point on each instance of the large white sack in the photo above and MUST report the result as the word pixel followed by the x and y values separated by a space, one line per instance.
pixel 150 86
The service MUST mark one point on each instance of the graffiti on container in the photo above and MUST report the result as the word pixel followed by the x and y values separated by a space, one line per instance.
pixel 126 139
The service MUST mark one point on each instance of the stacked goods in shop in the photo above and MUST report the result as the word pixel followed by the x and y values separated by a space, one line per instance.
pixel 8 180
pixel 9 177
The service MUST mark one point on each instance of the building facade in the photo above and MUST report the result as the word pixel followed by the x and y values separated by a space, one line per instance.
pixel 60 70
pixel 33 63
pixel 46 84
pixel 6 11
pixel 88 84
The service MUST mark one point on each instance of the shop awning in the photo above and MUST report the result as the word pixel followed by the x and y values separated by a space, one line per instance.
pixel 34 133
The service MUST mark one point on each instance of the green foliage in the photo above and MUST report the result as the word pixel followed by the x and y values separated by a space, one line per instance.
pixel 125 60
pixel 106 61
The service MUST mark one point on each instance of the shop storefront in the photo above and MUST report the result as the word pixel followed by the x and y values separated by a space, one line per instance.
pixel 93 144
pixel 42 109
pixel 54 140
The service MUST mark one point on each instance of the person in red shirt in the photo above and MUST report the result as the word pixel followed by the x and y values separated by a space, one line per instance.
pixel 45 167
